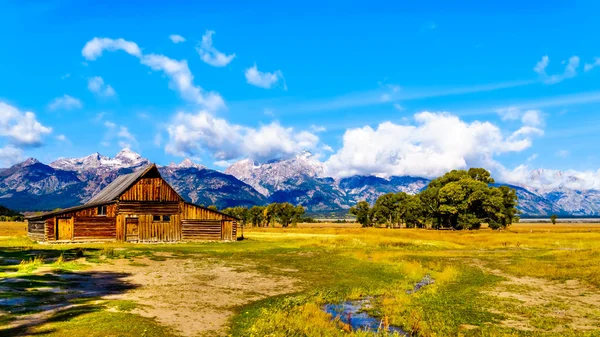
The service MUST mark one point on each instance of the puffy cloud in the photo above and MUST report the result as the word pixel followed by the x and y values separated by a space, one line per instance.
pixel 544 180
pixel 97 86
pixel 62 138
pixel 590 66
pixel 317 128
pixel 65 102
pixel 191 134
pixel 94 48
pixel 570 69
pixel 176 38
pixel 263 79
pixel 21 129
pixel 434 144
pixel 126 139
pixel 178 72
pixel 210 55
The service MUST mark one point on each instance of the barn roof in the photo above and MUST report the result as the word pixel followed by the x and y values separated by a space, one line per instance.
pixel 114 190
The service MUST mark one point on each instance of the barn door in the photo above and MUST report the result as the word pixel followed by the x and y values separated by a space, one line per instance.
pixel 64 229
pixel 132 230
pixel 226 230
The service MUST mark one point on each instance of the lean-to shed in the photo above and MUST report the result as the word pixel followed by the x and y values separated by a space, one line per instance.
pixel 137 207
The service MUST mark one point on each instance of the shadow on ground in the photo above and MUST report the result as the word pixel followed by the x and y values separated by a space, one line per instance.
pixel 46 295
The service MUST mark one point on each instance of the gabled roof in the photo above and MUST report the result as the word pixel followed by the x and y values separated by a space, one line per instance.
pixel 65 210
pixel 114 190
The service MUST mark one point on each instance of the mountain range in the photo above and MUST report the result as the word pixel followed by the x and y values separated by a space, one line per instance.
pixel 34 186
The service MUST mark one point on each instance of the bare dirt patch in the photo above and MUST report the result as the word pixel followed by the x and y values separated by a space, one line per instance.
pixel 534 304
pixel 194 297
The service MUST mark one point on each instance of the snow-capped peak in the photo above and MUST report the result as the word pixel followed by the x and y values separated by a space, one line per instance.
pixel 124 159
pixel 186 163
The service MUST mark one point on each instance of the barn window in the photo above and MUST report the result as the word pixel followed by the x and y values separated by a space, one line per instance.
pixel 156 218
pixel 166 218
pixel 101 210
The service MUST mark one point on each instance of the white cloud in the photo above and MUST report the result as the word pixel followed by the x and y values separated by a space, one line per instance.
pixel 97 86
pixel 119 133
pixel 62 138
pixel 534 118
pixel 65 102
pixel 94 48
pixel 65 76
pixel 317 128
pixel 21 129
pixel 99 116
pixel 533 157
pixel 178 72
pixel 158 139
pixel 210 55
pixel 10 155
pixel 436 143
pixel 590 66
pixel 223 163
pixel 562 153
pixel 191 134
pixel 176 38
pixel 263 79
pixel 569 72
pixel 398 107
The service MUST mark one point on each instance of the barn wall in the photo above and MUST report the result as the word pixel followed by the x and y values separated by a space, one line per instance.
pixel 149 207
pixel 151 189
pixel 35 229
pixel 50 236
pixel 197 229
pixel 195 212
pixel 94 228
pixel 111 211
pixel 155 231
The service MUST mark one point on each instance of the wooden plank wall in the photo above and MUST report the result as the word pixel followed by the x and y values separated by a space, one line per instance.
pixel 151 189
pixel 49 233
pixel 154 231
pixel 198 229
pixel 35 229
pixel 120 227
pixel 94 228
pixel 195 212
pixel 149 207
pixel 111 211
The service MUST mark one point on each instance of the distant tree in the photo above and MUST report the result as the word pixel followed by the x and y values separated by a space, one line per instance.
pixel 256 215
pixel 270 214
pixel 553 218
pixel 298 213
pixel 362 211
pixel 239 212
pixel 213 207
pixel 285 213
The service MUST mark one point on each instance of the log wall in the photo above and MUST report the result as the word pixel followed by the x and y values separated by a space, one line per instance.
pixel 151 189
pixel 49 233
pixel 35 229
pixel 94 228
pixel 149 207
pixel 159 231
pixel 197 229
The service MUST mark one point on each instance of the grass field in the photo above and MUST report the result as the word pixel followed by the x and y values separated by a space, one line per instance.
pixel 529 280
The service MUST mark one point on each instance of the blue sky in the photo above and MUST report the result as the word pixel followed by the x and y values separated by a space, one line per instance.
pixel 324 72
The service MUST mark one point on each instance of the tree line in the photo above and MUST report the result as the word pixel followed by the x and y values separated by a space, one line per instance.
pixel 264 216
pixel 459 200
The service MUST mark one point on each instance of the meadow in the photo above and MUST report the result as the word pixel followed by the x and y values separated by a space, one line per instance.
pixel 528 280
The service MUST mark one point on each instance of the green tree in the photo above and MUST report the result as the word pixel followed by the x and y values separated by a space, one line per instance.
pixel 256 216
pixel 298 213
pixel 285 213
pixel 362 211
pixel 213 207
pixel 270 214
pixel 553 218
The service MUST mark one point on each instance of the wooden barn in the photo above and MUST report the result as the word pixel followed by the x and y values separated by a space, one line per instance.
pixel 137 207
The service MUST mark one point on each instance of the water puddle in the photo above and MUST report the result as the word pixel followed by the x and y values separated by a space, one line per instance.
pixel 353 313
pixel 427 280
pixel 14 301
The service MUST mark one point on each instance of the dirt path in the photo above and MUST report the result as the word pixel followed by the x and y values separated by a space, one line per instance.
pixel 194 296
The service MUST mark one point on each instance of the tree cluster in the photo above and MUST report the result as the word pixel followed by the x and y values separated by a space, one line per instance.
pixel 264 216
pixel 459 200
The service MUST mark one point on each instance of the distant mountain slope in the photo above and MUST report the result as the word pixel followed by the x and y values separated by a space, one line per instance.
pixel 33 186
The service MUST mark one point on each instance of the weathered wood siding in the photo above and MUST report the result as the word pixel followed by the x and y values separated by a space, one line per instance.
pixel 196 212
pixel 159 231
pixel 151 189
pixel 198 229
pixel 35 229
pixel 94 228
pixel 50 234
pixel 149 207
